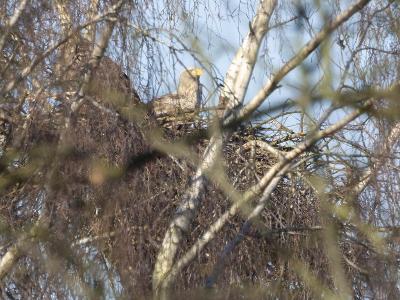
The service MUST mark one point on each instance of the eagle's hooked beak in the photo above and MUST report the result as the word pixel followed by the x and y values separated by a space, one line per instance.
pixel 197 72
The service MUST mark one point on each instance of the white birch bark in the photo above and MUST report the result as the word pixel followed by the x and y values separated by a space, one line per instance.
pixel 264 187
pixel 20 247
pixel 383 151
pixel 309 48
pixel 28 69
pixel 24 242
pixel 11 22
pixel 238 75
pixel 90 32
pixel 235 87
pixel 64 16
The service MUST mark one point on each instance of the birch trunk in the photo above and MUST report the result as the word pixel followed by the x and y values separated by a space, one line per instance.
pixel 235 87
pixel 236 82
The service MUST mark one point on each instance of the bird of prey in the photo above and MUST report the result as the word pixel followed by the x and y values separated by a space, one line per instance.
pixel 186 99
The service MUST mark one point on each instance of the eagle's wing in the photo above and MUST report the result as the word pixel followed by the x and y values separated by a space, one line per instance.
pixel 168 105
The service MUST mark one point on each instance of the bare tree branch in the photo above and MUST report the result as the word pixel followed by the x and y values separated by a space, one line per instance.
pixel 27 70
pixel 265 186
pixel 24 242
pixel 309 48
pixel 12 21
pixel 236 83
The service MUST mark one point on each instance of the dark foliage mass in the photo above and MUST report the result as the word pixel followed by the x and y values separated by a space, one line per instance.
pixel 102 179
pixel 92 193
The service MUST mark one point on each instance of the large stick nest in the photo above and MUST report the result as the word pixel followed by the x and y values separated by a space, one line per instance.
pixel 96 194
pixel 104 180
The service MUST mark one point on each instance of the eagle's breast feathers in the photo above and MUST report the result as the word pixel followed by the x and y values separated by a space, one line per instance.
pixel 186 99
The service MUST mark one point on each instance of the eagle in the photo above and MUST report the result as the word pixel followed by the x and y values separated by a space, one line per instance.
pixel 186 99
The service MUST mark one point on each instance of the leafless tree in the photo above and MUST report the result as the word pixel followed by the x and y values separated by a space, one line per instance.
pixel 284 187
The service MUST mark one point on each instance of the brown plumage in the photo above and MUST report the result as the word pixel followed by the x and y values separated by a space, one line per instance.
pixel 108 82
pixel 186 99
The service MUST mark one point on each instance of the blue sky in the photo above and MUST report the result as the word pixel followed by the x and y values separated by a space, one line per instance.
pixel 215 33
